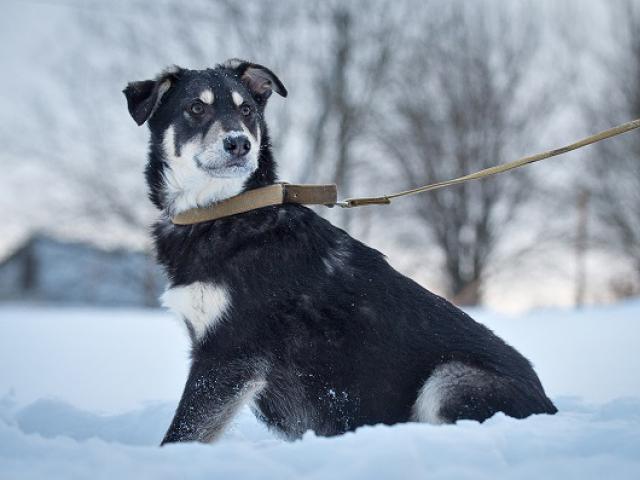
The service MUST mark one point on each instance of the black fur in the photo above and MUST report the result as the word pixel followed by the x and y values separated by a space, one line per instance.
pixel 338 338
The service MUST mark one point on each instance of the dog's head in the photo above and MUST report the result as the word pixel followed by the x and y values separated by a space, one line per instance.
pixel 208 135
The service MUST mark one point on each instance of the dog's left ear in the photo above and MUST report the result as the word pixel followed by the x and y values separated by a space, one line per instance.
pixel 258 79
pixel 144 97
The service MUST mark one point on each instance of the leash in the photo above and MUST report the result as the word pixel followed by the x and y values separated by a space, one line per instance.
pixel 487 172
pixel 280 193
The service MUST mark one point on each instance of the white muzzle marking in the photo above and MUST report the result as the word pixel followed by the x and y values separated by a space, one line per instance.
pixel 199 175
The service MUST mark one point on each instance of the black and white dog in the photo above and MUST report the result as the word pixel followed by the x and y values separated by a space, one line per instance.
pixel 286 312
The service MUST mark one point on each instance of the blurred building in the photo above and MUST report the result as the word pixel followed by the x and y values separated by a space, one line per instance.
pixel 46 269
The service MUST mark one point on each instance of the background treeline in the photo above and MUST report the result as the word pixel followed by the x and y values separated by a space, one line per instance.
pixel 384 95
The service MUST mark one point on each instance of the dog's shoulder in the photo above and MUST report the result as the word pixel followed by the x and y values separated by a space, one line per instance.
pixel 284 233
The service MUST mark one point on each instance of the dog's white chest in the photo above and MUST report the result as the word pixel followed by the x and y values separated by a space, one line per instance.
pixel 201 305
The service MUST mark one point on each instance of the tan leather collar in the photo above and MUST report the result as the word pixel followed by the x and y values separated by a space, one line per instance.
pixel 275 194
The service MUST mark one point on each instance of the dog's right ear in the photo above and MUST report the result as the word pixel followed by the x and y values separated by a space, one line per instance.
pixel 144 97
pixel 257 78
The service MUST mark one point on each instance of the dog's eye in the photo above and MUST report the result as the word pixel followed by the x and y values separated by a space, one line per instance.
pixel 245 109
pixel 197 108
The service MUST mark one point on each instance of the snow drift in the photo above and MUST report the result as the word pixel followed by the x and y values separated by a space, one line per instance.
pixel 88 394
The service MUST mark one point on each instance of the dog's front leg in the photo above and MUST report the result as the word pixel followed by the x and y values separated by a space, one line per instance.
pixel 212 396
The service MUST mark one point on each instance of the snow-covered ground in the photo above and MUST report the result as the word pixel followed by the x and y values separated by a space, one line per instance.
pixel 88 393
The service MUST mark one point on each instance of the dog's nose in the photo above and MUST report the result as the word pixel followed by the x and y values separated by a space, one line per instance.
pixel 238 146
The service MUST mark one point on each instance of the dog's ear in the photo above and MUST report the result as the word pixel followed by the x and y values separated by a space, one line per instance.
pixel 144 97
pixel 262 81
pixel 258 79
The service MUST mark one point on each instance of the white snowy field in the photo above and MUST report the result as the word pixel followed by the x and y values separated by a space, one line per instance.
pixel 88 393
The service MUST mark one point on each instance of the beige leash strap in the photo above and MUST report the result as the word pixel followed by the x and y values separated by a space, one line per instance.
pixel 386 199
pixel 276 194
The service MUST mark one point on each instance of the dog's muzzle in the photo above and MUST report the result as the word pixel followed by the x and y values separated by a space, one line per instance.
pixel 230 157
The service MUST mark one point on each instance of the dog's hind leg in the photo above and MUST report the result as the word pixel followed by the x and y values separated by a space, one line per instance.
pixel 456 391
pixel 211 398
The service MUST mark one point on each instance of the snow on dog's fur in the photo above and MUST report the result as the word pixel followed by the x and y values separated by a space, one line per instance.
pixel 286 312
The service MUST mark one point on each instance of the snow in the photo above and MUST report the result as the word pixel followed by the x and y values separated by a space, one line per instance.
pixel 88 393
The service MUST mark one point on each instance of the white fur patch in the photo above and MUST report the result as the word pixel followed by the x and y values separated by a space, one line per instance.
pixel 201 305
pixel 237 98
pixel 221 419
pixel 233 63
pixel 172 70
pixel 187 186
pixel 336 259
pixel 207 96
pixel 433 393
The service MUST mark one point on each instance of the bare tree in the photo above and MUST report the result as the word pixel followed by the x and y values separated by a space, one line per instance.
pixel 336 59
pixel 347 78
pixel 615 188
pixel 459 106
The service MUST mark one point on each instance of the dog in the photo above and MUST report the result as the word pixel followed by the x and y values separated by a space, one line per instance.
pixel 287 313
